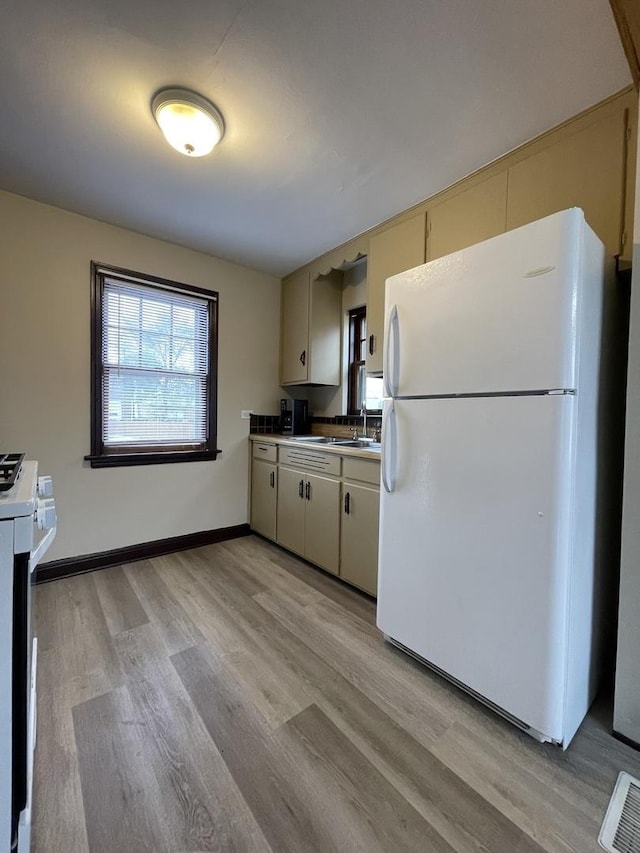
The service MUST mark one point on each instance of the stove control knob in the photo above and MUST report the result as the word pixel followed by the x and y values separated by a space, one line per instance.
pixel 46 513
pixel 45 487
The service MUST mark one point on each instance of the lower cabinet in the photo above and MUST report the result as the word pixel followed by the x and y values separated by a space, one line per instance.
pixel 322 522
pixel 291 510
pixel 359 536
pixel 308 516
pixel 322 506
pixel 264 497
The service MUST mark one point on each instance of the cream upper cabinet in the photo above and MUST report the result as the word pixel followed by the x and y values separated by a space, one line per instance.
pixel 398 248
pixel 310 331
pixel 474 215
pixel 584 169
pixel 294 329
pixel 630 185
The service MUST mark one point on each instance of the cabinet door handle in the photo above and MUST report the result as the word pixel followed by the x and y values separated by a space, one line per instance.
pixel 347 503
pixel 301 489
pixel 372 344
pixel 308 490
pixel 389 460
pixel 303 357
pixel 272 479
pixel 391 367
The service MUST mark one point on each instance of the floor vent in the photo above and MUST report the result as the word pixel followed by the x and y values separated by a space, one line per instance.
pixel 620 831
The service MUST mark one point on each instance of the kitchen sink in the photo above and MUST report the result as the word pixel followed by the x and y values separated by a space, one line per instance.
pixel 342 442
pixel 356 442
pixel 317 439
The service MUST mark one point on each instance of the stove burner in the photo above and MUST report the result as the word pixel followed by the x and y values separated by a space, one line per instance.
pixel 10 465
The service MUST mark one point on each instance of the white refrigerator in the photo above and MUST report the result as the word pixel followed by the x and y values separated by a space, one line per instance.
pixel 492 429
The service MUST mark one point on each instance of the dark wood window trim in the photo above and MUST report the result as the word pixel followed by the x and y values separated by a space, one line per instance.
pixel 357 335
pixel 101 457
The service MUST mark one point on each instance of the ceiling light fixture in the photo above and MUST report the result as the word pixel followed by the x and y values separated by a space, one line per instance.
pixel 190 123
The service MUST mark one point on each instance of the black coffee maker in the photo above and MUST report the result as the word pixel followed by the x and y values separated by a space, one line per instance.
pixel 294 417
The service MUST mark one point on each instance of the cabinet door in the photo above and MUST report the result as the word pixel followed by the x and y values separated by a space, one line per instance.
pixel 630 181
pixel 392 251
pixel 294 329
pixel 585 169
pixel 325 330
pixel 475 215
pixel 359 536
pixel 322 522
pixel 291 509
pixel 264 491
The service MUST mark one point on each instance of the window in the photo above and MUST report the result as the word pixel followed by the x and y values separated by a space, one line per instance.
pixel 153 351
pixel 357 359
pixel 362 388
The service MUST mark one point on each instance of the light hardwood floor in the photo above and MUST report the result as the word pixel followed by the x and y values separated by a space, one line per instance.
pixel 233 698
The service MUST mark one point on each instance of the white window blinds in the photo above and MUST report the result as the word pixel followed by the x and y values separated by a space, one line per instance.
pixel 155 365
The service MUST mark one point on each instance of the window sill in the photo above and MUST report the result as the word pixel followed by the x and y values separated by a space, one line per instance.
pixel 121 460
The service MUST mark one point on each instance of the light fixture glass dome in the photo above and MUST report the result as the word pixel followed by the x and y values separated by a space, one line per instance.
pixel 190 123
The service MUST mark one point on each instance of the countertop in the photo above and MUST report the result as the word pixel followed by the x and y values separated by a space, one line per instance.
pixel 339 449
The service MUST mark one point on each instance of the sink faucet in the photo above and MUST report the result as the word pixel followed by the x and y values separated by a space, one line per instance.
pixel 363 412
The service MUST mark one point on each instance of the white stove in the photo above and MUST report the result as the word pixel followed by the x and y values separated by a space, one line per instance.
pixel 27 528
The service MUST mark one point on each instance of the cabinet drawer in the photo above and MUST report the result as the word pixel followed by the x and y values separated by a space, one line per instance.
pixel 311 460
pixel 368 471
pixel 264 450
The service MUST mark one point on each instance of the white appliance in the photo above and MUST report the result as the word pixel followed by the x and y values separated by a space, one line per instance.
pixel 27 528
pixel 488 564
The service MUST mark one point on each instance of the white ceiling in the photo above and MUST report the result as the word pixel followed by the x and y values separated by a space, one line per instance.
pixel 339 113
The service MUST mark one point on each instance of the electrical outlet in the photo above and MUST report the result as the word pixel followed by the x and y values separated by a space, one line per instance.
pixel 245 414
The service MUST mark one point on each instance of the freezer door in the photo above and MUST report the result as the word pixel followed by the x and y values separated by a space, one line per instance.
pixel 495 317
pixel 474 544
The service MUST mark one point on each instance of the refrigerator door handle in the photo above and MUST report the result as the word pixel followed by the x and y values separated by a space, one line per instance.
pixel 389 449
pixel 391 366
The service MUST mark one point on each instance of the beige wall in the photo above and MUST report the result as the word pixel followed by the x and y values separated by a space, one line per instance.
pixel 627 693
pixel 44 377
